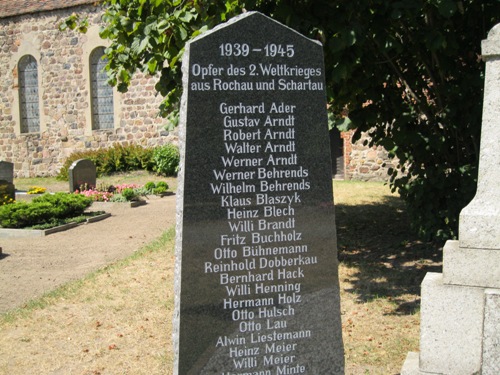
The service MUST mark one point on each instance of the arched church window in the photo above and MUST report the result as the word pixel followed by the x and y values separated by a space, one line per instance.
pixel 28 94
pixel 102 92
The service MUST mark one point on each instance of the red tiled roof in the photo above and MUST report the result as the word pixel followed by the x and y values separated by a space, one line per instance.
pixel 10 8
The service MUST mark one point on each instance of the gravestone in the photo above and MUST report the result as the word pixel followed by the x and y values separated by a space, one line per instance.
pixel 82 175
pixel 7 191
pixel 7 171
pixel 460 308
pixel 256 260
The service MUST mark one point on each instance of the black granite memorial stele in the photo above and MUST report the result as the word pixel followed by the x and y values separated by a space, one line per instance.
pixel 257 274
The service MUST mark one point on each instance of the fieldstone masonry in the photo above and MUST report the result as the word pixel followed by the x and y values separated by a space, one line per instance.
pixel 63 74
pixel 256 263
pixel 460 314
pixel 365 163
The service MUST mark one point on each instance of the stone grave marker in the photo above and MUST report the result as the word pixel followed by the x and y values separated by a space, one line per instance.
pixel 7 190
pixel 256 267
pixel 7 171
pixel 82 173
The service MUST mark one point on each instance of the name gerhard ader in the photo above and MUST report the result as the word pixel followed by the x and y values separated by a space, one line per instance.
pixel 240 108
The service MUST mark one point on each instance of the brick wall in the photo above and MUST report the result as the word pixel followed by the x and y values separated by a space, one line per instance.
pixel 63 77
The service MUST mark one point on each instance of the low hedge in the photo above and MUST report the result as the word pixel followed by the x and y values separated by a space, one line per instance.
pixel 163 160
pixel 42 210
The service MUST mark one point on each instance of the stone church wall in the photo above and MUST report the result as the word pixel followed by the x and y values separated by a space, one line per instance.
pixel 64 90
pixel 365 163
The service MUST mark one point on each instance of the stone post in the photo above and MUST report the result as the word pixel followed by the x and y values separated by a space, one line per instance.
pixel 460 312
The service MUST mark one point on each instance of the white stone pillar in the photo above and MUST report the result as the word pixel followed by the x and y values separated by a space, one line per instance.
pixel 460 312
pixel 472 261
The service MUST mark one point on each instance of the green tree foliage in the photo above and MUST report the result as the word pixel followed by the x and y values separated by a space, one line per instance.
pixel 406 71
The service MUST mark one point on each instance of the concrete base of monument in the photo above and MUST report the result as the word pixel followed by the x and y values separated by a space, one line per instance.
pixel 412 365
pixel 457 330
pixel 474 267
pixel 491 327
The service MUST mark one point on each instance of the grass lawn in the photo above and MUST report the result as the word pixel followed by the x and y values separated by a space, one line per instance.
pixel 118 320
pixel 382 264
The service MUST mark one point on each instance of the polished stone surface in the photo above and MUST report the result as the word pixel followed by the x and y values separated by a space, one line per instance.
pixel 256 232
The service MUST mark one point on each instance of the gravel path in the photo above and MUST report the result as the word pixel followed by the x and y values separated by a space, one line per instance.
pixel 30 267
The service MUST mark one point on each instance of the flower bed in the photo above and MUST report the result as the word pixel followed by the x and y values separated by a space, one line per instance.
pixel 124 192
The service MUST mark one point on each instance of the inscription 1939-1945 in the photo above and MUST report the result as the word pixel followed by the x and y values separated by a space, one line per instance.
pixel 257 281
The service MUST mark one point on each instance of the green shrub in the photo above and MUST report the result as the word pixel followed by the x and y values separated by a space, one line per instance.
pixel 66 205
pixel 163 160
pixel 162 184
pixel 119 158
pixel 159 190
pixel 149 186
pixel 166 160
pixel 43 209
pixel 129 194
pixel 23 214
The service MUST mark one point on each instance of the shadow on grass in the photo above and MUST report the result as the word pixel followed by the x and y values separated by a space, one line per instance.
pixel 387 258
